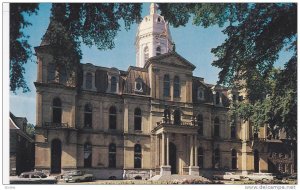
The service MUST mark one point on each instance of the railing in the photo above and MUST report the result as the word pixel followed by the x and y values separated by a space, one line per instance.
pixel 57 125
pixel 173 123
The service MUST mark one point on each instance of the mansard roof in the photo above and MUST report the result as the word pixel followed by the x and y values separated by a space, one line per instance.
pixel 171 59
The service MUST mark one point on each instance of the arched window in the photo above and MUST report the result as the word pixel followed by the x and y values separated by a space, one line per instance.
pixel 166 85
pixel 137 156
pixel 137 119
pixel 233 159
pixel 256 161
pixel 57 110
pixel 113 84
pixel 200 93
pixel 217 127
pixel 88 116
pixel 88 80
pixel 217 98
pixel 158 50
pixel 200 157
pixel 233 129
pixel 87 153
pixel 200 124
pixel 216 158
pixel 112 117
pixel 177 117
pixel 176 87
pixel 146 54
pixel 167 116
pixel 112 155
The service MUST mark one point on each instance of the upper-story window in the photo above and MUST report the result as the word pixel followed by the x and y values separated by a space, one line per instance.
pixel 146 53
pixel 217 98
pixel 88 80
pixel 57 110
pixel 137 119
pixel 200 93
pixel 166 85
pixel 112 117
pixel 217 127
pixel 176 87
pixel 177 117
pixel 158 50
pixel 88 116
pixel 113 84
pixel 233 129
pixel 200 124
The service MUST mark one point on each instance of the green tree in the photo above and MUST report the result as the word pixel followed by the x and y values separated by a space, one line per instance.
pixel 256 34
pixel 30 130
pixel 20 51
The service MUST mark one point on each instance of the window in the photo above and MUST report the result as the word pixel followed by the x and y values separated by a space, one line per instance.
pixel 200 157
pixel 87 153
pixel 137 156
pixel 217 98
pixel 166 85
pixel 112 117
pixel 176 87
pixel 200 124
pixel 57 110
pixel 167 116
pixel 139 85
pixel 233 129
pixel 137 119
pixel 146 54
pixel 217 127
pixel 233 159
pixel 112 155
pixel 88 80
pixel 158 50
pixel 177 117
pixel 113 84
pixel 88 116
pixel 200 94
pixel 216 158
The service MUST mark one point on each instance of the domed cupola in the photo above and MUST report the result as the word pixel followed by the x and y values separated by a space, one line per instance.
pixel 153 37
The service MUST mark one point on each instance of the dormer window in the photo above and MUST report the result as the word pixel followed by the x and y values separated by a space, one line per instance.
pixel 146 53
pixel 218 98
pixel 158 19
pixel 113 87
pixel 158 50
pixel 88 80
pixel 200 93
pixel 139 85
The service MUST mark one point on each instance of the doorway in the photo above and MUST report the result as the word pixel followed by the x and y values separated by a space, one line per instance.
pixel 172 158
pixel 56 156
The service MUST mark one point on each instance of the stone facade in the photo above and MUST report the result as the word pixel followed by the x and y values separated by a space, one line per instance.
pixel 155 118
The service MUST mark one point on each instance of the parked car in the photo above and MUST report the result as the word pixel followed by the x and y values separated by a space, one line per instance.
pixel 227 176
pixel 258 176
pixel 293 176
pixel 33 178
pixel 282 176
pixel 77 176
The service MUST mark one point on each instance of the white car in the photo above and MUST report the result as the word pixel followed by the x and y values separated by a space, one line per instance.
pixel 33 178
pixel 259 176
pixel 227 176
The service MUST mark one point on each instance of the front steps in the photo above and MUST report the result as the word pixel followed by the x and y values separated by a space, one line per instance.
pixel 177 177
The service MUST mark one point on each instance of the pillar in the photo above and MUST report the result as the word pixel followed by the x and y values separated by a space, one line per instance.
pixel 193 168
pixel 167 149
pixel 163 149
pixel 196 151
pixel 165 169
pixel 191 150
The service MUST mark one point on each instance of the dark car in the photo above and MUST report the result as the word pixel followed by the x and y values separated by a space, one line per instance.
pixel 77 176
pixel 33 178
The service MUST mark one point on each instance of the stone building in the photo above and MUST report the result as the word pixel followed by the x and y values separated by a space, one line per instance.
pixel 156 118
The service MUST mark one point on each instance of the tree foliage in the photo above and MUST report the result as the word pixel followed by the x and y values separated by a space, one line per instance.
pixel 256 34
pixel 20 50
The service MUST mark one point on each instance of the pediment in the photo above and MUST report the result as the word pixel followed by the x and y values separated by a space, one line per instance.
pixel 172 59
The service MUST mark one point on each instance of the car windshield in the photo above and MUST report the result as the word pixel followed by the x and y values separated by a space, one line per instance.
pixel 74 173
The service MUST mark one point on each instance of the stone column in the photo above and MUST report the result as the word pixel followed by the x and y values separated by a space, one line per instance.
pixel 193 169
pixel 163 149
pixel 164 169
pixel 196 151
pixel 167 149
